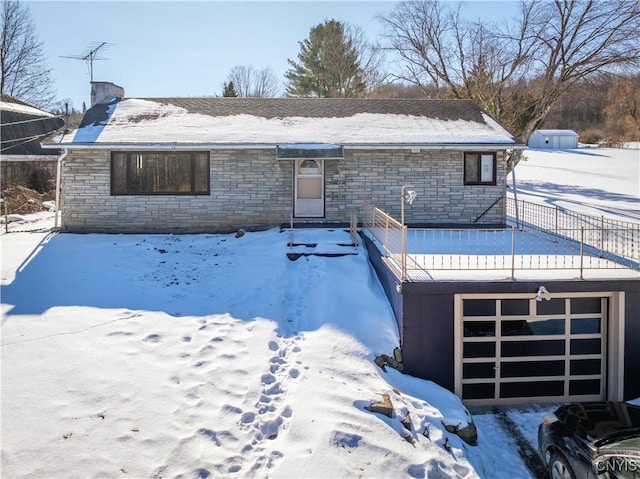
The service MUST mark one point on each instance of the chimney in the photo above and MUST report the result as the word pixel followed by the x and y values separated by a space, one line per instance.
pixel 104 92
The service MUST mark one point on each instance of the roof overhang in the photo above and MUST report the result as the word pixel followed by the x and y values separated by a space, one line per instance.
pixel 309 151
pixel 264 146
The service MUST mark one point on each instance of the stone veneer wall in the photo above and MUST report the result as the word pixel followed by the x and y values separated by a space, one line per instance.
pixel 251 189
pixel 378 175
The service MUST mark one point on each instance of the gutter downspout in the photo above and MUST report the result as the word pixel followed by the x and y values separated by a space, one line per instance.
pixel 59 184
pixel 515 191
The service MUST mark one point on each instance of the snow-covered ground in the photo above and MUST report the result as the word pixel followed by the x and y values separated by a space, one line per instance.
pixel 594 181
pixel 215 356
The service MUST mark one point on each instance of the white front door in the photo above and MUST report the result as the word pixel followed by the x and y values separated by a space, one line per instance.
pixel 309 189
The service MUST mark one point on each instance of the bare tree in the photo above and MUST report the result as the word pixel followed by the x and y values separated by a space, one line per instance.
pixel 64 107
pixel 25 75
pixel 371 59
pixel 248 81
pixel 398 90
pixel 623 109
pixel 516 71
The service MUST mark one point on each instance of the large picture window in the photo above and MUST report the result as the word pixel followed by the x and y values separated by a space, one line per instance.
pixel 479 168
pixel 160 173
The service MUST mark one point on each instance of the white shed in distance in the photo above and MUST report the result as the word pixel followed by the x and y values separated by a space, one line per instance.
pixel 553 139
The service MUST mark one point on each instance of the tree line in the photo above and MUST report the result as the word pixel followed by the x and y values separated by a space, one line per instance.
pixel 558 64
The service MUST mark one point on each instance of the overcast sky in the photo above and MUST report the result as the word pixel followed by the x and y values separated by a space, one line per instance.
pixel 164 49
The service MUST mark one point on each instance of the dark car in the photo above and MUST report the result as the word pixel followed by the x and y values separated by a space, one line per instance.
pixel 592 440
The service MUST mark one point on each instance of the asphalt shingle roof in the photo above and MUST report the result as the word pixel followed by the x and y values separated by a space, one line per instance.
pixel 327 107
pixel 23 127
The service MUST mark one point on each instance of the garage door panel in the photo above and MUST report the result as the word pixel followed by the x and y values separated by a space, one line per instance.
pixel 514 307
pixel 480 370
pixel 531 327
pixel 479 329
pixel 513 349
pixel 586 346
pixel 531 389
pixel 586 326
pixel 553 306
pixel 586 305
pixel 479 307
pixel 532 368
pixel 479 391
pixel 584 387
pixel 479 350
pixel 585 367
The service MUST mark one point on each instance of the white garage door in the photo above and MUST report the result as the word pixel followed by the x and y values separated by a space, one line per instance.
pixel 568 142
pixel 515 349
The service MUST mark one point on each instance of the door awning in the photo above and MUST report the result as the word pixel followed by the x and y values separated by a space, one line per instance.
pixel 304 151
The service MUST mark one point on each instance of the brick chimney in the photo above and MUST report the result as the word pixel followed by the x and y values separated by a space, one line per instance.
pixel 104 92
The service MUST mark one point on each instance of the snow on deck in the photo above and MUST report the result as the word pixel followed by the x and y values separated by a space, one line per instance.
pixel 486 255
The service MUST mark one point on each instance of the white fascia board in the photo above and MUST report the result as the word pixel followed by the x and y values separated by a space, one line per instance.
pixel 253 146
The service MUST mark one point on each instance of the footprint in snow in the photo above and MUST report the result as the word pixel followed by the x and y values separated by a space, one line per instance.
pixel 247 418
pixel 210 434
pixel 153 338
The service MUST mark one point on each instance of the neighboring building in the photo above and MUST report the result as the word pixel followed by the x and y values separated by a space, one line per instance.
pixel 554 139
pixel 218 164
pixel 22 129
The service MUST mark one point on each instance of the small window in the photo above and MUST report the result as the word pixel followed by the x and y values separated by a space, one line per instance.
pixel 479 168
pixel 308 167
pixel 160 173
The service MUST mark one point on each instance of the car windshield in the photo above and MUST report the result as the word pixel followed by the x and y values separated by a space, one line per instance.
pixel 628 439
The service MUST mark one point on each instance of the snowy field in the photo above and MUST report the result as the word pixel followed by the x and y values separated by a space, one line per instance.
pixel 594 181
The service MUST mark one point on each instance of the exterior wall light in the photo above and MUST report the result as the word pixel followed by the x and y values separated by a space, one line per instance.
pixel 543 294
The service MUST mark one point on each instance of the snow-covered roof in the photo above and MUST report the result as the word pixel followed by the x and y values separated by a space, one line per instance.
pixel 556 132
pixel 255 122
pixel 9 104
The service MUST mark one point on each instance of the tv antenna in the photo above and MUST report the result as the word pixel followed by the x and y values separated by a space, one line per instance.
pixel 90 54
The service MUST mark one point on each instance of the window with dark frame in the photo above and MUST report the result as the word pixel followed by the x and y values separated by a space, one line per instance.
pixel 479 168
pixel 160 173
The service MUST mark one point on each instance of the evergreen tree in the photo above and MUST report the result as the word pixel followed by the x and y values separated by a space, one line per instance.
pixel 329 64
pixel 228 89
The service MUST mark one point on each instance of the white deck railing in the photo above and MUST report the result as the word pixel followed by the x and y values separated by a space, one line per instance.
pixel 420 250
pixel 609 236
